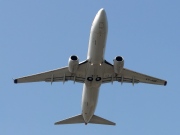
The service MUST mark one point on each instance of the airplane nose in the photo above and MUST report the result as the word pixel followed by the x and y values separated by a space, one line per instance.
pixel 100 21
pixel 102 12
pixel 101 16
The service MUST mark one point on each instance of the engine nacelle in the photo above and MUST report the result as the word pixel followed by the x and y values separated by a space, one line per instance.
pixel 73 63
pixel 118 64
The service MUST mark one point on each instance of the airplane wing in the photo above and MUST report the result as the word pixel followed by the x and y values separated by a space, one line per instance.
pixel 129 76
pixel 61 74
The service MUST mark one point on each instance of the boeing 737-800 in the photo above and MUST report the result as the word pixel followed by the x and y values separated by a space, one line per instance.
pixel 92 73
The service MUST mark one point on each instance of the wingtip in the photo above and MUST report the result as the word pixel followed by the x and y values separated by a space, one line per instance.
pixel 56 123
pixel 113 124
pixel 15 81
pixel 165 83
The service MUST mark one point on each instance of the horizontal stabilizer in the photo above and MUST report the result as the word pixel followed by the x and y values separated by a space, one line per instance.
pixel 72 120
pixel 79 119
pixel 98 120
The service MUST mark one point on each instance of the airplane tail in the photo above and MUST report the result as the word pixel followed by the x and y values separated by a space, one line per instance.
pixel 79 119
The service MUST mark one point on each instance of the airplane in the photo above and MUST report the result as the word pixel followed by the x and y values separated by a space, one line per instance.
pixel 92 72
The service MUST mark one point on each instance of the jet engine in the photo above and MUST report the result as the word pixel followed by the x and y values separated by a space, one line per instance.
pixel 73 63
pixel 118 64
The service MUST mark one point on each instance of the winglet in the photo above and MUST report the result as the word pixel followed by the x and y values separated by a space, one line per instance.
pixel 15 81
pixel 165 83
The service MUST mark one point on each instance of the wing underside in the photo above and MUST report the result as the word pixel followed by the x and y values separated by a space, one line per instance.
pixel 129 76
pixel 61 74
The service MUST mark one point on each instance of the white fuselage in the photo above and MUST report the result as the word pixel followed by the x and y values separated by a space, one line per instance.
pixel 95 56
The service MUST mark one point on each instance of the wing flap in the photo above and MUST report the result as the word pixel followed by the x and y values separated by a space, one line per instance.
pixel 67 78
pixel 119 79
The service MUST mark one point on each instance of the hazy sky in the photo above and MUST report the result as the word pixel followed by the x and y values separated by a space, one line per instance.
pixel 40 35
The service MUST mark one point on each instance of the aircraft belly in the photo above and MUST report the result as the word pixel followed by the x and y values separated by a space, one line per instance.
pixel 97 40
pixel 89 101
pixel 96 47
pixel 91 89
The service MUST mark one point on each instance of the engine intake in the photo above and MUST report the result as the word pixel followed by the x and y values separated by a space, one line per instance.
pixel 73 57
pixel 118 64
pixel 73 63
